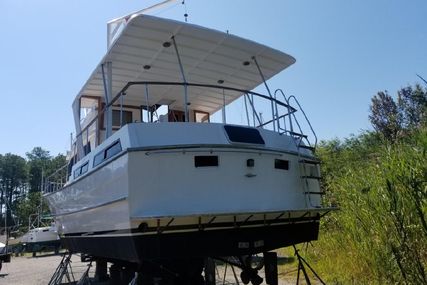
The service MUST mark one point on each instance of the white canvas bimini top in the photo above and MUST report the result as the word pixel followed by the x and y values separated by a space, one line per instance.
pixel 208 57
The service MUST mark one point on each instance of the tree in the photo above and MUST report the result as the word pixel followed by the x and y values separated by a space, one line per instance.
pixel 13 180
pixel 385 116
pixel 412 104
pixel 28 206
pixel 38 161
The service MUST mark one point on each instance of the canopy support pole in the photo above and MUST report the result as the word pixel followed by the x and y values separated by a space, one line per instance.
pixel 224 119
pixel 146 103
pixel 268 89
pixel 108 90
pixel 183 78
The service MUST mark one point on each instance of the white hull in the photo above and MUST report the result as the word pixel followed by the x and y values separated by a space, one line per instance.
pixel 145 184
pixel 40 235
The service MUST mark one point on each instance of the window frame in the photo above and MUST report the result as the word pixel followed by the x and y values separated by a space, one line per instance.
pixel 103 153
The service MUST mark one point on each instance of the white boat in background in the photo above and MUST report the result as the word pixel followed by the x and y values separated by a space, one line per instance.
pixel 41 239
pixel 151 178
pixel 5 253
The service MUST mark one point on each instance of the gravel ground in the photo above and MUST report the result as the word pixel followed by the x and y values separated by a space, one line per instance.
pixel 26 270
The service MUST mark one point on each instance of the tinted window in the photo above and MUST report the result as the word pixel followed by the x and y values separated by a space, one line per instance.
pixel 77 172
pixel 205 160
pixel 107 153
pixel 281 164
pixel 98 158
pixel 243 135
pixel 84 168
pixel 81 170
pixel 113 150
pixel 126 117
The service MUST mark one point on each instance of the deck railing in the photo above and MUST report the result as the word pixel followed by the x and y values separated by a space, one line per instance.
pixel 261 111
pixel 55 181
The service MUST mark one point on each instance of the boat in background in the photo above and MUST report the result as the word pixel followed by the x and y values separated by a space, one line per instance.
pixel 5 253
pixel 41 239
pixel 153 183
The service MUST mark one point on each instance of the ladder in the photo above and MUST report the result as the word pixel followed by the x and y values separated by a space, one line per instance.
pixel 308 167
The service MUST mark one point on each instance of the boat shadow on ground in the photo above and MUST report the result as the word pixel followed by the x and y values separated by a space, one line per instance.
pixel 41 255
pixel 3 275
pixel 285 260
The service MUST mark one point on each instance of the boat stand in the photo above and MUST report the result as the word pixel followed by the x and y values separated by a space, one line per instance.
pixel 63 269
pixel 85 280
pixel 301 267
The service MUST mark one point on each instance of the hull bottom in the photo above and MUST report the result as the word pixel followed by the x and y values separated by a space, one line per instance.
pixel 42 246
pixel 137 247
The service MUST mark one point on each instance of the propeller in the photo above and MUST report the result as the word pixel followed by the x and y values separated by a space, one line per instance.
pixel 249 273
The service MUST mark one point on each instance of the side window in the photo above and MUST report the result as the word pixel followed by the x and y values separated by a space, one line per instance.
pixel 84 168
pixel 281 164
pixel 98 158
pixel 81 170
pixel 201 117
pixel 126 117
pixel 77 172
pixel 107 153
pixel 113 150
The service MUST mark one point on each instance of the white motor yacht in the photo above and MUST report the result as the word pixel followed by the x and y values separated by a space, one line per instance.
pixel 152 177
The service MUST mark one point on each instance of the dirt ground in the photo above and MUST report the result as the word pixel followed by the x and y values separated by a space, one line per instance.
pixel 27 270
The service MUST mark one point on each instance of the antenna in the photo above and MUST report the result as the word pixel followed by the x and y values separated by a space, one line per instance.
pixel 115 26
pixel 422 79
pixel 185 10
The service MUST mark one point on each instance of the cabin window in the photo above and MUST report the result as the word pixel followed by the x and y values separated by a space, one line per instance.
pixel 126 118
pixel 81 170
pixel 98 158
pixel 85 167
pixel 176 116
pixel 281 164
pixel 113 150
pixel 70 165
pixel 77 172
pixel 201 117
pixel 205 160
pixel 244 135
pixel 107 153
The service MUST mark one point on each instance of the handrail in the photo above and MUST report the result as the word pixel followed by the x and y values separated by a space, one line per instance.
pixel 52 182
pixel 249 95
pixel 306 118
pixel 295 118
pixel 167 83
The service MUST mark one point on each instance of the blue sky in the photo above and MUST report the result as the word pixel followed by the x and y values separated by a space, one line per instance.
pixel 346 51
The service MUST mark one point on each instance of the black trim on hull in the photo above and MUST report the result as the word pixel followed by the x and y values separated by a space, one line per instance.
pixel 227 242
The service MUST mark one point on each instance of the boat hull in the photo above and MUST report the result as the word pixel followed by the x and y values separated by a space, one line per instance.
pixel 188 198
pixel 137 247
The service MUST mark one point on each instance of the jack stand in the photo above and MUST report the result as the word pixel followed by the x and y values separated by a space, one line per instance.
pixel 101 270
pixel 85 280
pixel 270 268
pixel 301 262
pixel 63 269
pixel 134 281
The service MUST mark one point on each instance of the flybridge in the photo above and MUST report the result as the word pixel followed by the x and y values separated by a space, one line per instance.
pixel 143 48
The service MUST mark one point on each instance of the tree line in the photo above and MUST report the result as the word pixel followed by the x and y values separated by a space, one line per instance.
pixel 21 182
pixel 378 179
